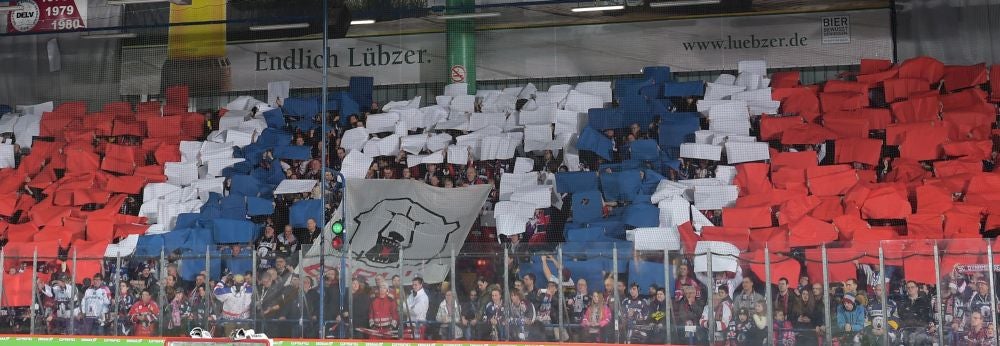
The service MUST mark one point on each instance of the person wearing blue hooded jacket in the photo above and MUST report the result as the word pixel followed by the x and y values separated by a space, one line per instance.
pixel 850 319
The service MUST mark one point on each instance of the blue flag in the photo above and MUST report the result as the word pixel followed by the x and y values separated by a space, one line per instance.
pixel 596 142
pixel 587 206
pixel 683 89
pixel 570 182
pixel 227 231
pixel 274 118
pixel 304 210
pixel 301 106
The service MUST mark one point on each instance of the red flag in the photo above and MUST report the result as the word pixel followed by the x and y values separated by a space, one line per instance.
pixel 81 197
pixel 177 96
pixel 949 168
pixel 835 101
pixel 959 77
pixel 167 126
pixel 829 208
pixel 775 238
pixel 840 264
pixel 808 231
pixel 126 184
pixel 152 174
pixel 167 153
pixel 193 125
pixel 53 124
pixel 906 170
pixel 81 162
pixel 873 79
pixel 798 160
pixel 739 237
pixel 919 263
pixel 8 201
pixel 148 106
pixel 799 101
pixel 795 208
pixel 785 79
pixel 929 69
pixel 968 100
pixel 968 125
pixel 120 110
pixel 846 124
pixel 753 217
pixel 984 189
pixel 751 178
pixel 772 127
pixel 901 88
pixel 933 199
pixel 923 143
pixel 100 229
pixel 835 85
pixel 119 159
pixel 863 150
pixel 807 134
pixel 971 150
pixel 100 123
pixel 962 225
pixel 925 226
pixel 878 118
pixel 72 108
pixel 886 203
pixel 848 225
pixel 20 233
pixel 781 266
pixel 124 230
pixel 916 110
pixel 789 178
pixel 129 127
pixel 89 257
pixel 688 237
pixel 875 65
pixel 831 180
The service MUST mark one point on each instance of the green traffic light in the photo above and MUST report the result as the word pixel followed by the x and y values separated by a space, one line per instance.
pixel 337 228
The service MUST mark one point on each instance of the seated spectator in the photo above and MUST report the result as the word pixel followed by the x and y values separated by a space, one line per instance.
pixel 687 312
pixel 721 314
pixel 850 320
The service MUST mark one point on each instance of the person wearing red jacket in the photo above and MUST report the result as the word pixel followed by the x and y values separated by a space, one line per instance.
pixel 144 315
pixel 384 314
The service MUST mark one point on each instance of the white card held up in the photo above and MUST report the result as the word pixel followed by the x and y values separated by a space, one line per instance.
pixel 216 166
pixel 539 195
pixel 656 239
pixel 725 79
pixel 295 186
pixel 458 155
pixel 581 102
pixel 7 156
pixel 730 126
pixel 355 165
pixel 233 119
pixel 413 118
pixel 7 122
pixel 560 88
pixel 180 173
pixel 715 197
pixel 569 122
pixel 748 80
pixel 729 110
pixel 725 257
pixel 243 103
pixel 456 89
pixel 543 116
pixel 277 90
pixel 753 95
pixel 701 151
pixel 715 91
pixel 414 144
pixel 438 141
pixel 725 174
pixel 600 89
pixel 464 103
pixel 757 67
pixel 354 139
pixel 239 138
pixel 512 217
pixel 738 152
pixel 510 182
pixel 383 122
pixel 36 109
pixel 524 165
pixel 478 121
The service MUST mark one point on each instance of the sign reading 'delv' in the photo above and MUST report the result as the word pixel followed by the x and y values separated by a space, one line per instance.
pixel 47 15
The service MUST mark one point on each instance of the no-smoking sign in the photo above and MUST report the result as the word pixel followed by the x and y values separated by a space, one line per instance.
pixel 458 74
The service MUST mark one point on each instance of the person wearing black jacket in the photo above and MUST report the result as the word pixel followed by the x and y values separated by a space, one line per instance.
pixel 914 311
pixel 293 310
pixel 362 302
pixel 331 296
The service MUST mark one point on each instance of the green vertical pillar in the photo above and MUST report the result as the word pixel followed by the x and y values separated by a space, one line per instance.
pixel 462 45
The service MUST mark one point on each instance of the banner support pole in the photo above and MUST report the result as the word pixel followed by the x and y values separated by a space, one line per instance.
pixel 937 283
pixel 883 295
pixel 828 318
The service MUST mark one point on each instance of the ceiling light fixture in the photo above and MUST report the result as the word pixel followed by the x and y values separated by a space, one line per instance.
pixel 684 3
pixel 279 27
pixel 468 15
pixel 599 8
pixel 362 21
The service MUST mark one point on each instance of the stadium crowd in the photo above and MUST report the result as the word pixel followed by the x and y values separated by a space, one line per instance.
pixel 147 296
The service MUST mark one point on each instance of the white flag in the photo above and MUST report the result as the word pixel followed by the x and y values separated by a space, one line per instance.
pixel 393 221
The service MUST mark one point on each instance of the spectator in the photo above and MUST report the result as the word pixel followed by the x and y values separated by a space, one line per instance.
pixel 758 332
pixel 268 303
pixel 784 332
pixel 579 302
pixel 126 298
pixel 360 308
pixel 282 271
pixel 144 315
pixel 722 313
pixel 471 314
pixel 747 297
pixel 740 329
pixel 595 318
pixel 178 315
pixel 449 316
pixel 980 301
pixel 850 320
pixel 203 308
pixel 312 231
pixel 522 318
pixel 287 242
pixel 784 299
pixel 417 304
pixel 808 317
pixel 687 312
pixel 493 318
pixel 383 316
pixel 293 308
pixel 979 333
pixel 96 305
pixel 235 297
pixel 267 244
pixel 636 313
pixel 914 315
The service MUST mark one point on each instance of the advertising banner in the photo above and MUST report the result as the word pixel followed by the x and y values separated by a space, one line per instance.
pixel 47 15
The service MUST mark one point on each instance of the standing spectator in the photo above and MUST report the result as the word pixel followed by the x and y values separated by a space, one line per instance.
pixel 850 319
pixel 687 312
pixel 740 329
pixel 722 313
pixel 267 246
pixel 64 296
pixel 979 333
pixel 522 317
pixel 96 305
pixel 579 303
pixel 268 303
pixel 235 298
pixel 358 315
pixel 784 299
pixel 914 312
pixel 383 317
pixel 783 331
pixel 808 318
pixel 748 297
pixel 203 308
pixel 178 315
pixel 126 298
pixel 658 316
pixel 596 318
pixel 417 304
pixel 980 301
pixel 636 312
pixel 449 316
pixel 144 315
pixel 493 316
pixel 758 332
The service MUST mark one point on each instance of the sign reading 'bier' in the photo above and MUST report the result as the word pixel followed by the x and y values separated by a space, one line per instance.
pixel 48 15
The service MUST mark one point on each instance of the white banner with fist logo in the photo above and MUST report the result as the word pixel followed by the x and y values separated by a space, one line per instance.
pixel 393 222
